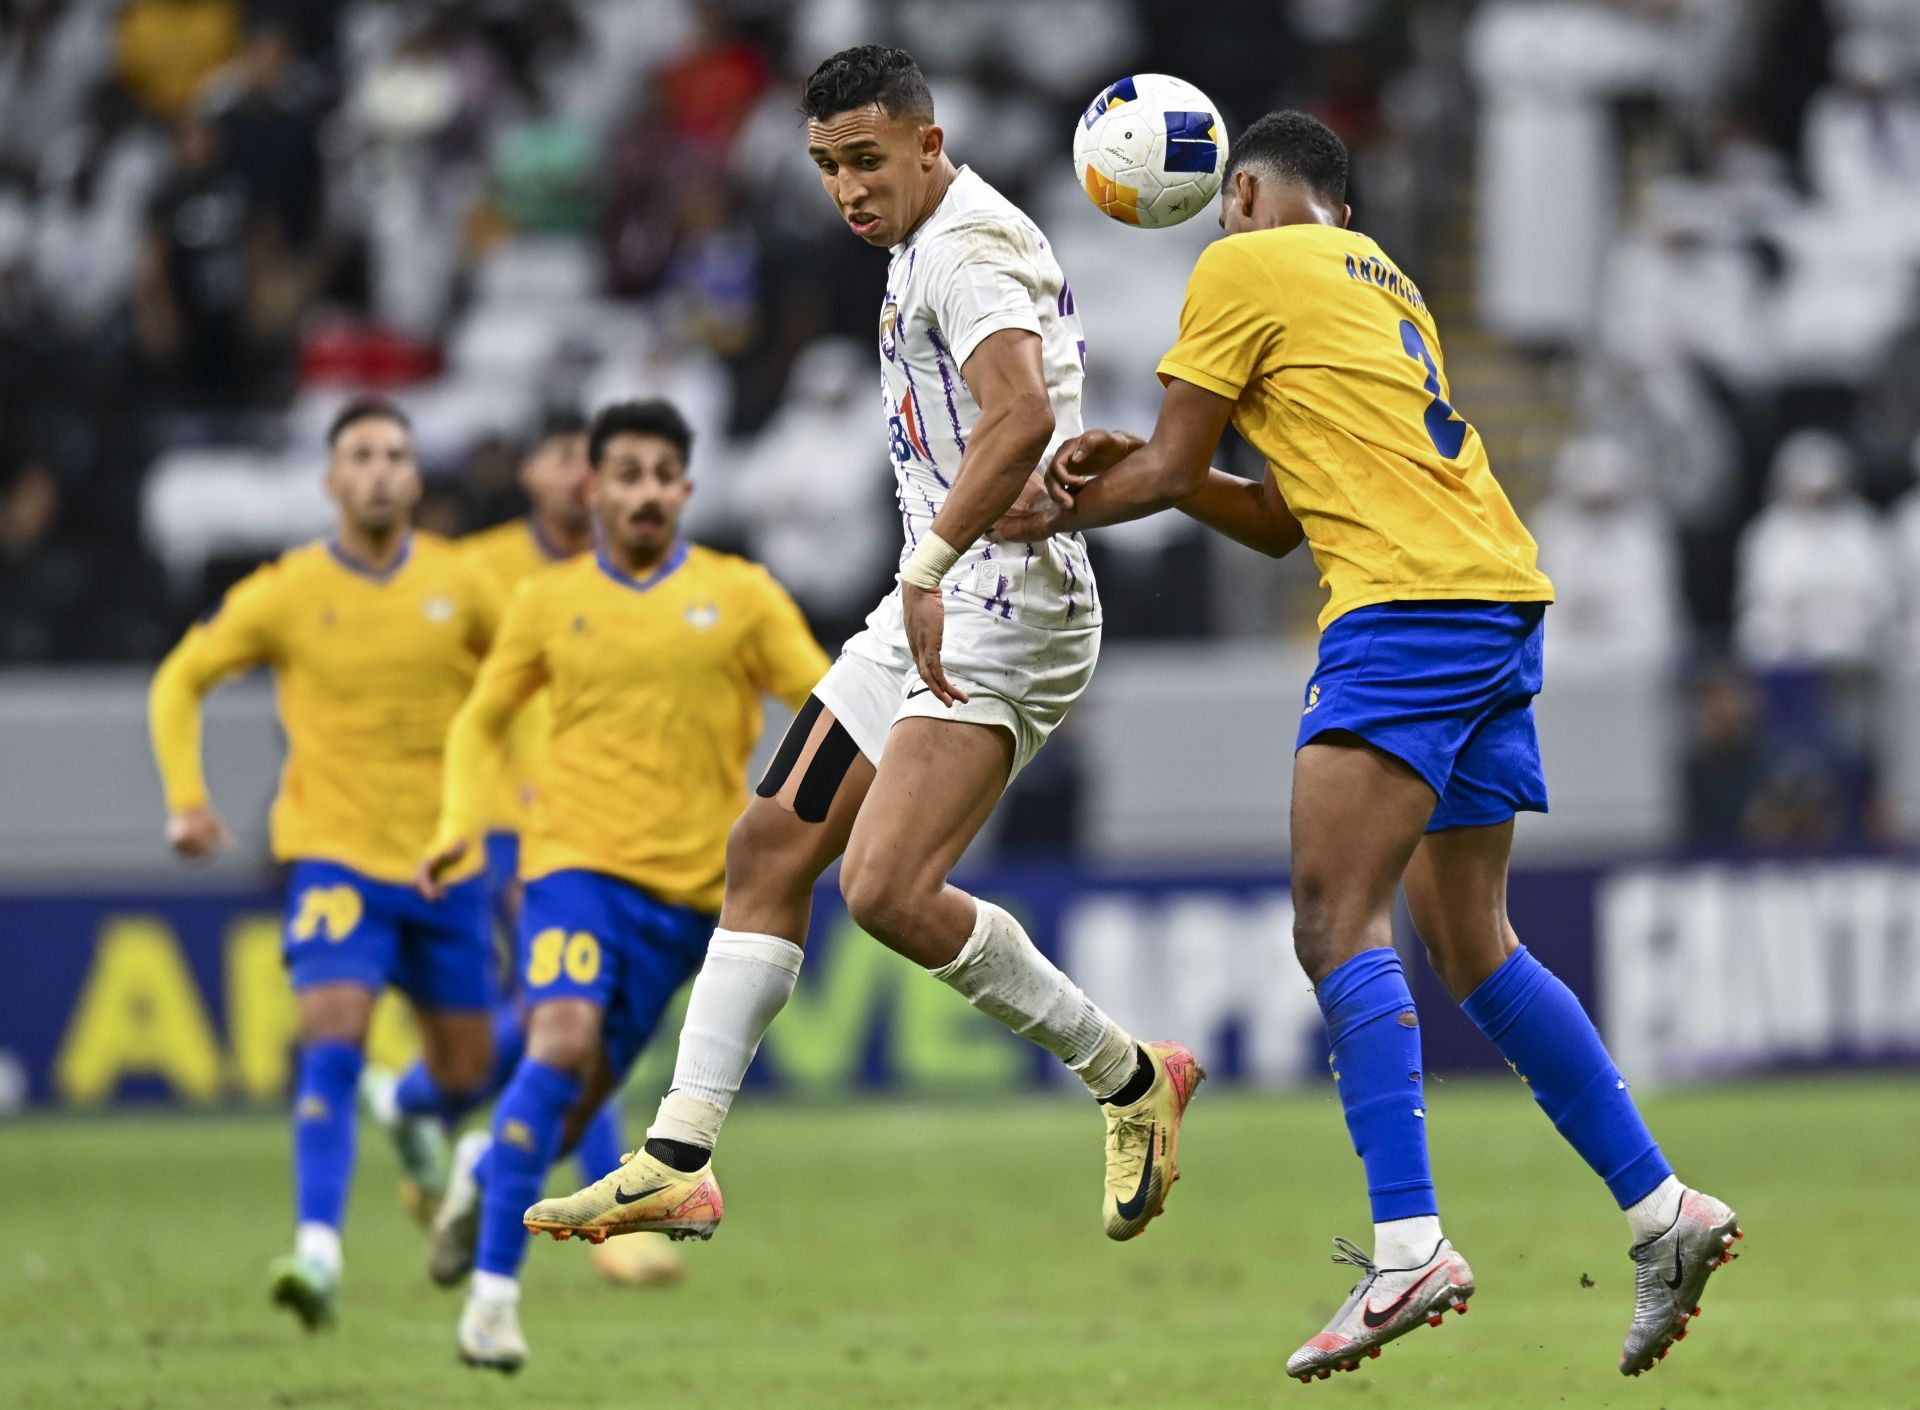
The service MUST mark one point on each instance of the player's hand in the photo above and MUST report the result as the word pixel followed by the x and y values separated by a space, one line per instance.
pixel 197 832
pixel 1088 454
pixel 428 876
pixel 926 617
pixel 1029 521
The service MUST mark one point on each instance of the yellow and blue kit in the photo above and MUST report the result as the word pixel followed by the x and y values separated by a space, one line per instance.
pixel 655 686
pixel 504 555
pixel 369 670
pixel 1431 635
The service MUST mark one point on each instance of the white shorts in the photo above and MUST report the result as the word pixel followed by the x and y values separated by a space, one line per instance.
pixel 1021 678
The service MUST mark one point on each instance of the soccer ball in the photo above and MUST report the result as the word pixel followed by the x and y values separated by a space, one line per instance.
pixel 1150 150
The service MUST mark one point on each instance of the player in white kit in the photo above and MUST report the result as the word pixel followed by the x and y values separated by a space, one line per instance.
pixel 960 675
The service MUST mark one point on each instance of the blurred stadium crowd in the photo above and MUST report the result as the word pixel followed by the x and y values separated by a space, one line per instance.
pixel 1672 246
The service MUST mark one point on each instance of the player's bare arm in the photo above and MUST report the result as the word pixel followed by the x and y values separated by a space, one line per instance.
pixel 476 751
pixel 1008 383
pixel 1109 477
pixel 1250 512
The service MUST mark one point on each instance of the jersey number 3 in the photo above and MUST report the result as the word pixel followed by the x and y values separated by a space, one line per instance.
pixel 1444 427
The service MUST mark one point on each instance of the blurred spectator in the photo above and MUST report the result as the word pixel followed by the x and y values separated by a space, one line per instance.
pixel 1888 423
pixel 1727 760
pixel 1609 548
pixel 416 177
pixel 813 491
pixel 1684 287
pixel 52 55
pixel 1863 134
pixel 168 48
pixel 1814 584
pixel 43 575
pixel 194 286
pixel 711 287
pixel 708 90
pixel 1906 550
pixel 266 112
pixel 97 181
pixel 1801 807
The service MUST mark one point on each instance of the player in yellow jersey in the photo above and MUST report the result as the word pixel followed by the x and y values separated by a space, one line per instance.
pixel 373 638
pixel 655 655
pixel 1416 745
pixel 412 1108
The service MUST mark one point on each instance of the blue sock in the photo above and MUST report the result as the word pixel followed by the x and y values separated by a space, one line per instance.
pixel 417 1094
pixel 526 1138
pixel 600 1150
pixel 1376 1067
pixel 323 1130
pixel 1540 1028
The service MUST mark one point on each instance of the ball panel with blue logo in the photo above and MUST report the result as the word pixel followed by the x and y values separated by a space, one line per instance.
pixel 1149 150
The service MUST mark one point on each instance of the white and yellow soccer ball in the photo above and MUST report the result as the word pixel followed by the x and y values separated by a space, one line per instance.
pixel 1150 150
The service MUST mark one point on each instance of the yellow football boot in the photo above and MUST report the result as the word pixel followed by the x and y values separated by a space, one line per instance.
pixel 1143 1140
pixel 640 1195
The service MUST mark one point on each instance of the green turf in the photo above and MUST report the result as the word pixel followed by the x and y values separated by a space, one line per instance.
pixel 893 1256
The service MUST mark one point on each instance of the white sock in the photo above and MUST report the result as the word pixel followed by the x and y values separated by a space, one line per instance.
pixel 319 1243
pixel 494 1287
pixel 745 982
pixel 377 1088
pixel 1406 1243
pixel 1003 975
pixel 1653 1215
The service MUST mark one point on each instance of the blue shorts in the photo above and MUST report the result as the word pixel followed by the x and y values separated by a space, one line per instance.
pixel 588 936
pixel 345 928
pixel 1447 687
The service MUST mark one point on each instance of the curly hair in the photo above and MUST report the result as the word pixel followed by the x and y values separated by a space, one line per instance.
pixel 868 73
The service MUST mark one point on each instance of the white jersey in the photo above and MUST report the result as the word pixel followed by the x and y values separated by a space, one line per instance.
pixel 975 266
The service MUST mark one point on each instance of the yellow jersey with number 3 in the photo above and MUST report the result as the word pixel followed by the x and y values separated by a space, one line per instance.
pixel 655 686
pixel 369 670
pixel 1333 363
pixel 506 554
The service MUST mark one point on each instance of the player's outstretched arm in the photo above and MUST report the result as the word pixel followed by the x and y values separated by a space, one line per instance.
pixel 1158 475
pixel 237 637
pixel 1247 511
pixel 194 829
pixel 476 747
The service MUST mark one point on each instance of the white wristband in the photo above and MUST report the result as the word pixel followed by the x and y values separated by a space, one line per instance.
pixel 931 562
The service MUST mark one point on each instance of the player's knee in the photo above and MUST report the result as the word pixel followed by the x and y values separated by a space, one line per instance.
pixel 877 897
pixel 563 1037
pixel 462 1069
pixel 1316 938
pixel 767 852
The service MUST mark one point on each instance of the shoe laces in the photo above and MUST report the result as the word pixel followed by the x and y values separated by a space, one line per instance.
pixel 1350 1253
pixel 1132 1137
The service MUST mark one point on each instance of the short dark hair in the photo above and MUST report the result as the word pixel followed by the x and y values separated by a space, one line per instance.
pixel 1299 149
pixel 561 421
pixel 365 409
pixel 639 418
pixel 868 73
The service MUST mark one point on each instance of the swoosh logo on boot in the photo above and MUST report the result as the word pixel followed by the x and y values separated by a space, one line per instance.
pixel 622 1197
pixel 1679 1271
pixel 1376 1320
pixel 1131 1208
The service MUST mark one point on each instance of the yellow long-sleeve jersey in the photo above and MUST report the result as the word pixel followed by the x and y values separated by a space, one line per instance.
pixel 369 670
pixel 655 686
pixel 505 555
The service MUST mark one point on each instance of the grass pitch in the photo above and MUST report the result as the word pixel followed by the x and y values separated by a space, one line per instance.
pixel 933 1256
